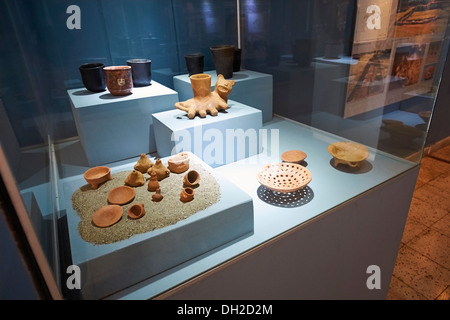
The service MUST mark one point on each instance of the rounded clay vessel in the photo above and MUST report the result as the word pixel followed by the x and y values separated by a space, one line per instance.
pixel 97 175
pixel 349 153
pixel 107 216
pixel 153 183
pixel 187 194
pixel 136 211
pixel 119 80
pixel 284 177
pixel 179 163
pixel 191 179
pixel 121 195
pixel 157 197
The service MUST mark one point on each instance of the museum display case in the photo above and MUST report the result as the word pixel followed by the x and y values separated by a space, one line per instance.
pixel 286 178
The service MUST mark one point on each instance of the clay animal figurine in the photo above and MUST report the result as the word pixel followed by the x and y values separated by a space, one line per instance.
pixel 153 183
pixel 157 197
pixel 143 164
pixel 161 171
pixel 135 179
pixel 204 101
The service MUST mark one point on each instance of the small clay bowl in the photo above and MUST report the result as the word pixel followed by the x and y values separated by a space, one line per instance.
pixel 121 195
pixel 293 156
pixel 136 211
pixel 97 175
pixel 349 153
pixel 107 216
pixel 192 178
pixel 179 163
pixel 187 194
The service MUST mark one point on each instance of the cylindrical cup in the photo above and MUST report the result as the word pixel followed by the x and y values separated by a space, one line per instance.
pixel 142 71
pixel 119 80
pixel 93 77
pixel 195 63
pixel 223 59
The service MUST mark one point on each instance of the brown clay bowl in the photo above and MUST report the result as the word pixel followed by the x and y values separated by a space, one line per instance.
pixel 284 177
pixel 192 178
pixel 107 216
pixel 97 175
pixel 293 156
pixel 349 153
pixel 179 163
pixel 121 195
pixel 136 211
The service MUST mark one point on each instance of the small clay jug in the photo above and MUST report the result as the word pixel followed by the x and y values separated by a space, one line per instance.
pixel 143 164
pixel 136 211
pixel 135 179
pixel 191 179
pixel 157 197
pixel 153 183
pixel 187 194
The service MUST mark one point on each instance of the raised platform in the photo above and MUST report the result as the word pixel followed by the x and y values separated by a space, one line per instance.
pixel 252 88
pixel 113 128
pixel 108 268
pixel 230 136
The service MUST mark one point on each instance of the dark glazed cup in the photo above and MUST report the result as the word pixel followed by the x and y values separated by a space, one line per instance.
pixel 223 59
pixel 195 63
pixel 92 76
pixel 119 80
pixel 142 71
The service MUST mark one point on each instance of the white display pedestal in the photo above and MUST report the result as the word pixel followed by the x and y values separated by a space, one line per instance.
pixel 113 128
pixel 252 88
pixel 230 136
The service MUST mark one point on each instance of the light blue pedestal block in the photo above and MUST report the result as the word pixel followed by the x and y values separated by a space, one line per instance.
pixel 230 136
pixel 252 88
pixel 106 269
pixel 113 128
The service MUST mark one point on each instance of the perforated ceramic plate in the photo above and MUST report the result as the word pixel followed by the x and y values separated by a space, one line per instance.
pixel 284 177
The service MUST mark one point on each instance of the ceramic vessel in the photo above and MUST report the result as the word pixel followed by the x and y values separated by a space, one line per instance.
pixel 161 170
pixel 121 195
pixel 136 211
pixel 348 153
pixel 223 56
pixel 153 183
pixel 284 177
pixel 195 63
pixel 205 101
pixel 191 179
pixel 157 197
pixel 293 156
pixel 93 77
pixel 143 164
pixel 107 216
pixel 97 175
pixel 135 179
pixel 237 59
pixel 141 70
pixel 179 163
pixel 119 80
pixel 187 194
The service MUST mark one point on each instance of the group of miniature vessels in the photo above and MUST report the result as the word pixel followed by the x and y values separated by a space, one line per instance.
pixel 111 213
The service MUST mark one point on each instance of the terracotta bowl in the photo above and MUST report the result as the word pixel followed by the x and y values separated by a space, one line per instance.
pixel 284 177
pixel 136 211
pixel 121 195
pixel 107 216
pixel 293 156
pixel 192 178
pixel 97 175
pixel 349 153
pixel 179 163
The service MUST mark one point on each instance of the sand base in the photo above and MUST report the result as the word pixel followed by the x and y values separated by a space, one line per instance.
pixel 170 210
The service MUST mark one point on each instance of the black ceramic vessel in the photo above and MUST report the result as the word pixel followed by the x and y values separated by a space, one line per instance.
pixel 93 77
pixel 223 59
pixel 195 63
pixel 141 70
pixel 237 59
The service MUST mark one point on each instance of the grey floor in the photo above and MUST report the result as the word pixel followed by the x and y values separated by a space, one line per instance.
pixel 422 270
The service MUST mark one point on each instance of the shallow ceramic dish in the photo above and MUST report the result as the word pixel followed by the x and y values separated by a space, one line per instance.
pixel 293 156
pixel 97 175
pixel 107 216
pixel 121 195
pixel 284 177
pixel 349 153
